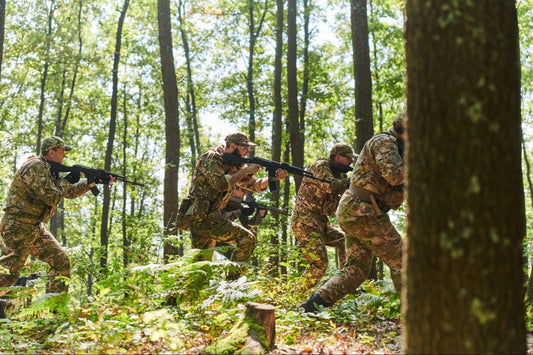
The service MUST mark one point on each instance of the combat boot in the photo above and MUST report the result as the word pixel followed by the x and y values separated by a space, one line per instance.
pixel 313 303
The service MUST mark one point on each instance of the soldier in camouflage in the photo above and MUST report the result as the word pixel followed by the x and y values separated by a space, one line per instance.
pixel 376 186
pixel 32 199
pixel 316 201
pixel 212 185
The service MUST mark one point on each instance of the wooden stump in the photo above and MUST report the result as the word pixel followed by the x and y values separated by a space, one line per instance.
pixel 254 333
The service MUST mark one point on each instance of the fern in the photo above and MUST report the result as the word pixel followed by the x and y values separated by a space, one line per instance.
pixel 49 303
pixel 231 292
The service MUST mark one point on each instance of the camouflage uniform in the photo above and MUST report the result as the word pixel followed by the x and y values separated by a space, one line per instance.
pixel 376 186
pixel 232 211
pixel 32 199
pixel 316 201
pixel 209 192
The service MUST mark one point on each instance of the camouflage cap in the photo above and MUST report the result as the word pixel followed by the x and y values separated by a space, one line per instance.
pixel 239 138
pixel 53 142
pixel 342 149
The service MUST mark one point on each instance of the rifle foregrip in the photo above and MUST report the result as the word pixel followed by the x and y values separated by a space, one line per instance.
pixel 95 190
pixel 272 180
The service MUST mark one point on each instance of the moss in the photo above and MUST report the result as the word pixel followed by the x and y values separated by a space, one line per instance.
pixel 241 340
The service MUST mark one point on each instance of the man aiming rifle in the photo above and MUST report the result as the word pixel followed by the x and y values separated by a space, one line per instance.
pixel 213 182
pixel 33 196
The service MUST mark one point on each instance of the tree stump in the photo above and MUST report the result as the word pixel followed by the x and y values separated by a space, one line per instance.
pixel 254 333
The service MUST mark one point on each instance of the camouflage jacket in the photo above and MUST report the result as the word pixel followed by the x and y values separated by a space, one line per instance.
pixel 321 197
pixel 210 188
pixel 35 192
pixel 379 170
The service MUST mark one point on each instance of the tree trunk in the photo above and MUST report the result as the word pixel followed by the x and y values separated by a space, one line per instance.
pixel 305 78
pixel 364 126
pixel 466 219
pixel 172 129
pixel 57 222
pixel 191 119
pixel 43 80
pixel 297 149
pixel 125 238
pixel 2 32
pixel 104 233
pixel 277 128
pixel 529 293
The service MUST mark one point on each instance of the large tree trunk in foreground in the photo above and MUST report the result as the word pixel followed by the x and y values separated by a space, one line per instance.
pixel 466 219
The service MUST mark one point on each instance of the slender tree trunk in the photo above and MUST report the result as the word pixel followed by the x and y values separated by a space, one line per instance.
pixel 125 239
pixel 364 126
pixel 172 129
pixel 529 293
pixel 376 73
pixel 296 144
pixel 253 35
pixel 63 122
pixel 44 77
pixel 191 119
pixel 2 32
pixel 466 221
pixel 277 122
pixel 286 242
pixel 104 232
pixel 305 79
pixel 250 74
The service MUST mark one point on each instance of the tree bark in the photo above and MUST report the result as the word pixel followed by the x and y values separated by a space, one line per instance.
pixel 2 32
pixel 104 232
pixel 364 125
pixel 277 127
pixel 191 119
pixel 296 145
pixel 466 221
pixel 44 77
pixel 172 137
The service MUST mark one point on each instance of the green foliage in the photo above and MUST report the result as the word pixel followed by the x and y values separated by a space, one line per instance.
pixel 376 300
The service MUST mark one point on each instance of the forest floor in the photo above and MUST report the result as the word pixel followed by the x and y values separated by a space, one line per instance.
pixel 375 339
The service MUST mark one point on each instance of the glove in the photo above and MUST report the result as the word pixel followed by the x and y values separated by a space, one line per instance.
pixel 73 177
pixel 247 211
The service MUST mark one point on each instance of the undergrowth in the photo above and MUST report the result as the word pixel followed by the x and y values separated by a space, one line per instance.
pixel 179 307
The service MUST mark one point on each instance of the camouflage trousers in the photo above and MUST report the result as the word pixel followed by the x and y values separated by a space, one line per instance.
pixel 314 232
pixel 19 241
pixel 206 232
pixel 365 236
